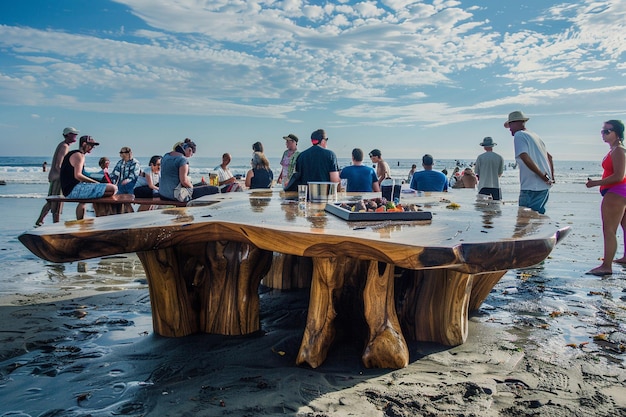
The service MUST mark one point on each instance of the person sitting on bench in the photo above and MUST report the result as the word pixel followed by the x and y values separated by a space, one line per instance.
pixel 175 182
pixel 75 184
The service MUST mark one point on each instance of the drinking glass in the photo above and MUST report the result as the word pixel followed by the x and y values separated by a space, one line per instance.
pixel 303 190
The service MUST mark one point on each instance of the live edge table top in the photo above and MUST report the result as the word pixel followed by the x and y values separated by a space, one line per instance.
pixel 465 234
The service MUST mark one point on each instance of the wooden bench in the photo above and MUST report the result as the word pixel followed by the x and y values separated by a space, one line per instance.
pixel 119 203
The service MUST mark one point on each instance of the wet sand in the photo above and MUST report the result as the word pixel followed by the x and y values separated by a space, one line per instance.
pixel 548 341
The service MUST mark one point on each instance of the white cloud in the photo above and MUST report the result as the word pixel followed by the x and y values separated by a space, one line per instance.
pixel 380 61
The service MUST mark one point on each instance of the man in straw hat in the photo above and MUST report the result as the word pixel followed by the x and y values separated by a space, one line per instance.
pixel 536 170
pixel 489 168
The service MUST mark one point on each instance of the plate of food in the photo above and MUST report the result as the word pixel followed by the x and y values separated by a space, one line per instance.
pixel 377 209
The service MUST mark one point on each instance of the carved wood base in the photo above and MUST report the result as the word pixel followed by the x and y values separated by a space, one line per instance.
pixel 289 272
pixel 385 346
pixel 482 286
pixel 319 332
pixel 207 287
pixel 433 305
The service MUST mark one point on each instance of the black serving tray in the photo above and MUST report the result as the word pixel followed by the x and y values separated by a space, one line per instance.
pixel 353 216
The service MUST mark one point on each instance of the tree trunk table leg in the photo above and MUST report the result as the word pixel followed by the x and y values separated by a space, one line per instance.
pixel 173 314
pixel 434 306
pixel 386 347
pixel 207 287
pixel 229 304
pixel 319 332
pixel 481 287
pixel 289 272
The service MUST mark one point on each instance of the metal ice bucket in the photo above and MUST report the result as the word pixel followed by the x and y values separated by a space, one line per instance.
pixel 322 192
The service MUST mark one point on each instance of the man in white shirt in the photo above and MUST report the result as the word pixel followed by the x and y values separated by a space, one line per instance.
pixel 536 171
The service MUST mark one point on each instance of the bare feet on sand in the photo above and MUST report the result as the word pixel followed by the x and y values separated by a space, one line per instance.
pixel 600 272
pixel 621 260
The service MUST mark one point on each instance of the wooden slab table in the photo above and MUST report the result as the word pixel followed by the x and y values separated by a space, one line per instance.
pixel 204 264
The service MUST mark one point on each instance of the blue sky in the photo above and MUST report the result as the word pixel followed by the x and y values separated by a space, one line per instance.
pixel 408 77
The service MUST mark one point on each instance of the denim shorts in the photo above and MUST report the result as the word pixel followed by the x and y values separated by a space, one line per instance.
pixel 535 200
pixel 87 190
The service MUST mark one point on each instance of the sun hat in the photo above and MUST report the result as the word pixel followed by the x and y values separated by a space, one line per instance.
pixel 427 160
pixel 292 137
pixel 514 117
pixel 488 142
pixel 89 140
pixel 70 130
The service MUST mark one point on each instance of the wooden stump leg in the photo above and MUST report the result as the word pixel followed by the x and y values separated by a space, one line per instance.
pixel 319 332
pixel 386 347
pixel 229 301
pixel 207 287
pixel 289 272
pixel 434 306
pixel 482 284
pixel 172 311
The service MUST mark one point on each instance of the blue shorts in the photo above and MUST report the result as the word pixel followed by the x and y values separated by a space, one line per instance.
pixel 87 190
pixel 535 200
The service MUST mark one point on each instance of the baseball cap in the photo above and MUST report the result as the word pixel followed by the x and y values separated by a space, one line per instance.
pixel 291 136
pixel 89 140
pixel 70 130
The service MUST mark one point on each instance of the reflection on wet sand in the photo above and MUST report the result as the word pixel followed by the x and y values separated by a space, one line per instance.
pixel 101 274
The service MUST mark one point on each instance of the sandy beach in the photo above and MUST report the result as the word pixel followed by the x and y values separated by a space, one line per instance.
pixel 548 341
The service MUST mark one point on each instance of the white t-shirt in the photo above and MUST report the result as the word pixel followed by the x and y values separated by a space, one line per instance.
pixel 223 174
pixel 528 142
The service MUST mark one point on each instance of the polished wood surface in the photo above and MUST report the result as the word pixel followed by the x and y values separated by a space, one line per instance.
pixel 478 236
pixel 413 279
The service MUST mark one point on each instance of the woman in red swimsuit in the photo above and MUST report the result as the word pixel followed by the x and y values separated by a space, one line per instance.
pixel 613 188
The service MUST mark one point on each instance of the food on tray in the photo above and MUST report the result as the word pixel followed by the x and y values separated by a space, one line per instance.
pixel 378 205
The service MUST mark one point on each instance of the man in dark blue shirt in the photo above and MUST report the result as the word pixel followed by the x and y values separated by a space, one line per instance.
pixel 317 163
